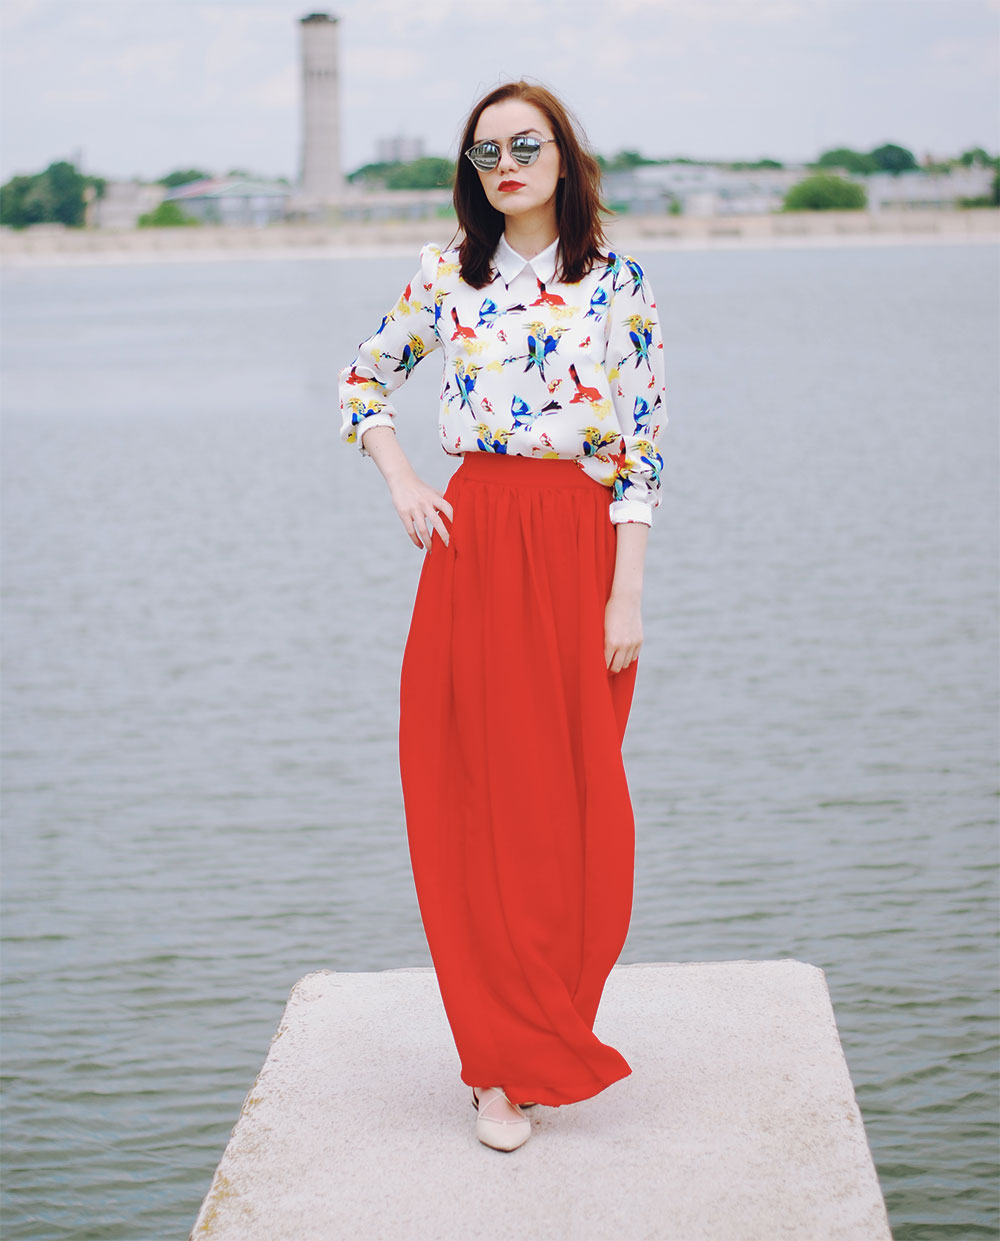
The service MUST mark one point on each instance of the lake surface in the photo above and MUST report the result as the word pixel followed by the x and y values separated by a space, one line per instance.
pixel 206 599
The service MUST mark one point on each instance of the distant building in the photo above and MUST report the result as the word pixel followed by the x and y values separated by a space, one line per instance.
pixel 233 200
pixel 122 203
pixel 399 150
pixel 699 189
pixel 888 190
pixel 712 190
pixel 394 205
pixel 321 177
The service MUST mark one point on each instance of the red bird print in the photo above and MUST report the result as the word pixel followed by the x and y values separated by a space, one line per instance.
pixel 619 458
pixel 467 333
pixel 547 299
pixel 355 378
pixel 582 393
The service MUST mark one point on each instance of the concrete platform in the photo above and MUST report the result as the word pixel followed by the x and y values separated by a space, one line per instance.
pixel 738 1122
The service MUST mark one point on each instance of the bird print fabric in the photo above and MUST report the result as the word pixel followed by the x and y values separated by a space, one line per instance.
pixel 532 367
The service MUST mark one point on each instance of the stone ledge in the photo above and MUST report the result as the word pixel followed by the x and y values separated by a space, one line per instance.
pixel 44 245
pixel 738 1122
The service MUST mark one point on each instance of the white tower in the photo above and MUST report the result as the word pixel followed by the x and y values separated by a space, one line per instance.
pixel 320 178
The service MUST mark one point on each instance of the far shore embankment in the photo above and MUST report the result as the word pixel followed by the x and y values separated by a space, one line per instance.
pixel 53 245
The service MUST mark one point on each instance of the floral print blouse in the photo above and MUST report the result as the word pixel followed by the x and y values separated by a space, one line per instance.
pixel 532 367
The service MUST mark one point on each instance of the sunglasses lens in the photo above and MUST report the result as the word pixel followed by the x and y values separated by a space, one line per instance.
pixel 525 150
pixel 485 155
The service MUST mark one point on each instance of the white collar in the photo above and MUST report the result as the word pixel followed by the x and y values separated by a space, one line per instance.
pixel 510 264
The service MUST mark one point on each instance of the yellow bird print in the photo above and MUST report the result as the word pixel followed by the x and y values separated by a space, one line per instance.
pixel 595 440
pixel 638 324
pixel 362 408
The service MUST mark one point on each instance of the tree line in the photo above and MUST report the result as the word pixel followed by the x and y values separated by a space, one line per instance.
pixel 59 194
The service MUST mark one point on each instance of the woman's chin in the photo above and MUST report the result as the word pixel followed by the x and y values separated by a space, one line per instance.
pixel 513 204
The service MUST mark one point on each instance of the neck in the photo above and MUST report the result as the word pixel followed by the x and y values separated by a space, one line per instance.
pixel 531 233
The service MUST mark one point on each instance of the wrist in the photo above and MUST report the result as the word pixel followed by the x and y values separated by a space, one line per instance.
pixel 629 592
pixel 397 471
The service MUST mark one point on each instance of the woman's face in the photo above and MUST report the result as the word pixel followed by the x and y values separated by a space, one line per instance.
pixel 510 187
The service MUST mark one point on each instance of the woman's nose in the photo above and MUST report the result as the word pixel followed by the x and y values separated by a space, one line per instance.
pixel 506 163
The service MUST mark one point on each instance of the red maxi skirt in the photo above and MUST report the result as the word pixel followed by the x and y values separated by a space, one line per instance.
pixel 519 822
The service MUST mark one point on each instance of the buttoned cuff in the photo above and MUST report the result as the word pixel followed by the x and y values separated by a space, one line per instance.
pixel 630 510
pixel 381 419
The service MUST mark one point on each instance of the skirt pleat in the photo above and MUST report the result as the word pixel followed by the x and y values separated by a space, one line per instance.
pixel 518 816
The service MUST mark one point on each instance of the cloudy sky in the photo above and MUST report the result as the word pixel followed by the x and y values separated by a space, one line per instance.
pixel 140 87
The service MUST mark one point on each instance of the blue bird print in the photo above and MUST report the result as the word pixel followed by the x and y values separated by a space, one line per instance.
pixel 488 313
pixel 552 341
pixel 521 412
pixel 621 484
pixel 641 348
pixel 649 458
pixel 635 271
pixel 641 415
pixel 620 268
pixel 411 355
pixel 536 356
pixel 598 303
pixel 641 337
pixel 438 309
pixel 466 382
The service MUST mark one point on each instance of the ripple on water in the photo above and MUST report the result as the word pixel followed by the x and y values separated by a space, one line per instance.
pixel 206 599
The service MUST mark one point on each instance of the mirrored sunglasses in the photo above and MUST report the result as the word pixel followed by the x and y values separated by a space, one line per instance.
pixel 525 150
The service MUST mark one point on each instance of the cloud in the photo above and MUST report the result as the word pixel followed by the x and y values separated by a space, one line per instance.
pixel 16 12
pixel 77 96
pixel 746 12
pixel 154 84
pixel 156 62
pixel 279 92
pixel 968 56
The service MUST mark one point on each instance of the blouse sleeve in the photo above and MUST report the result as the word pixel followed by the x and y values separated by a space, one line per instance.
pixel 407 334
pixel 635 369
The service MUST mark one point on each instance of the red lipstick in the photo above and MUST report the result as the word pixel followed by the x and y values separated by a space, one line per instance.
pixel 510 185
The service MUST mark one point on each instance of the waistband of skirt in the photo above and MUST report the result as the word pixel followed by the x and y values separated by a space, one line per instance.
pixel 519 471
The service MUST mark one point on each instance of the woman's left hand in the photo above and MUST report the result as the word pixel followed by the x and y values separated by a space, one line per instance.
pixel 622 631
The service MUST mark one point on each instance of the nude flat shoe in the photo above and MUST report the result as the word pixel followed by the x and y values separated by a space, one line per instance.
pixel 520 1105
pixel 495 1126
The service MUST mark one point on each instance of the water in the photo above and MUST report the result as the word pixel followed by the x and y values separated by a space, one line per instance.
pixel 207 596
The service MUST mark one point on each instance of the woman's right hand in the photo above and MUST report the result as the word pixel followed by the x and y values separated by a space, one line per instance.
pixel 417 504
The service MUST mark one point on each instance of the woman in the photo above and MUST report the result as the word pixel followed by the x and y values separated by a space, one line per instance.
pixel 520 663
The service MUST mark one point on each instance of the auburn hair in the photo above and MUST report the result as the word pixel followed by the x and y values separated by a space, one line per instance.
pixel 578 200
